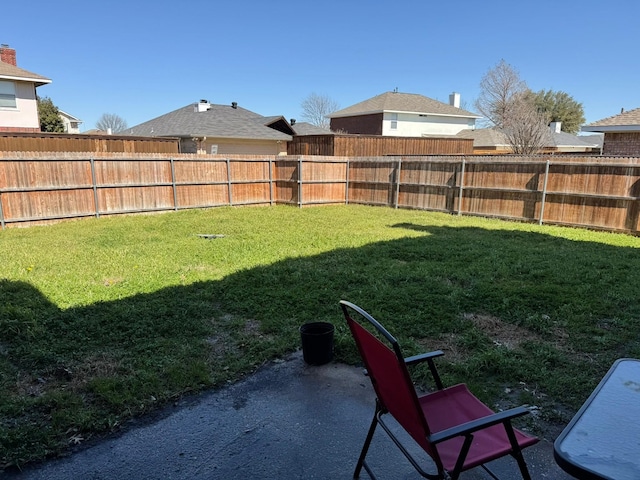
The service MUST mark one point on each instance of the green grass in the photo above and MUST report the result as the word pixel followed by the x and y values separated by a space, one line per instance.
pixel 105 319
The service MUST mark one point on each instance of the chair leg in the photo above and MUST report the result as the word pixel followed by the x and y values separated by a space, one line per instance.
pixel 365 447
pixel 524 470
pixel 517 452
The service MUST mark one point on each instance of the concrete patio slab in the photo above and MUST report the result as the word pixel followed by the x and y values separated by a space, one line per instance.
pixel 287 421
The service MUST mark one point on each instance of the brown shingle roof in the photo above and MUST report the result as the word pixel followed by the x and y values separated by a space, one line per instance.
pixel 629 121
pixel 8 71
pixel 402 102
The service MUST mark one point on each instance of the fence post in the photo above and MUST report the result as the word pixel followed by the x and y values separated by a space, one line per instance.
pixel 229 186
pixel 1 213
pixel 544 192
pixel 173 184
pixel 398 181
pixel 94 184
pixel 271 181
pixel 461 187
pixel 346 184
pixel 299 182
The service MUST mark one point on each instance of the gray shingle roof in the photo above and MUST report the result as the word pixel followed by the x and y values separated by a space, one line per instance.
pixel 8 71
pixel 629 121
pixel 219 121
pixel 485 137
pixel 490 137
pixel 306 128
pixel 402 102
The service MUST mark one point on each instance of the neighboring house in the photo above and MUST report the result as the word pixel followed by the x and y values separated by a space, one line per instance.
pixel 18 101
pixel 621 133
pixel 403 115
pixel 71 123
pixel 224 129
pixel 489 141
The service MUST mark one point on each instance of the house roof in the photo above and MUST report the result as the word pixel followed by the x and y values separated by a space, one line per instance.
pixel 485 137
pixel 564 139
pixel 306 128
pixel 69 116
pixel 402 102
pixel 11 72
pixel 217 121
pixel 628 121
pixel 491 137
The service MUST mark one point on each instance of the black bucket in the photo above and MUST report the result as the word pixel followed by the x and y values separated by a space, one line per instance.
pixel 317 342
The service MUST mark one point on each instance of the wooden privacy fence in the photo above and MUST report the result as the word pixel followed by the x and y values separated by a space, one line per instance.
pixel 377 145
pixel 69 142
pixel 592 192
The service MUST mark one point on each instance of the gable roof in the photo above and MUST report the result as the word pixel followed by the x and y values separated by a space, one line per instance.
pixel 402 102
pixel 69 116
pixel 624 122
pixel 217 121
pixel 11 72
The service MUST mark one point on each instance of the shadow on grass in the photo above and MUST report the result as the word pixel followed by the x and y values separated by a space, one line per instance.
pixel 510 308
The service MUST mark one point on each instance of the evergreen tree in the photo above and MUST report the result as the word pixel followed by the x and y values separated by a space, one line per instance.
pixel 49 116
pixel 560 107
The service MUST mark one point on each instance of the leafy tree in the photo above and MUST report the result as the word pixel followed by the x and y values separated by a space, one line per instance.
pixel 316 107
pixel 560 107
pixel 111 121
pixel 49 116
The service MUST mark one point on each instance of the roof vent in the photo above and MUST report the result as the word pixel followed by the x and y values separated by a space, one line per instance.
pixel 234 104
pixel 292 121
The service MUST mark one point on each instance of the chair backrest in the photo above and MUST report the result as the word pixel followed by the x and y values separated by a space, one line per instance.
pixel 388 373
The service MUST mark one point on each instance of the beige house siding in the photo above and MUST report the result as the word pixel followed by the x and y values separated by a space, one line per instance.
pixel 25 116
pixel 228 146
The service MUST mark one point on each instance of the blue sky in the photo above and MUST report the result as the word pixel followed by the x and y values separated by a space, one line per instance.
pixel 140 59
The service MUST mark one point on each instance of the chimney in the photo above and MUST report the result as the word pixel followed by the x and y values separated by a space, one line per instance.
pixel 454 100
pixel 556 127
pixel 7 55
pixel 203 106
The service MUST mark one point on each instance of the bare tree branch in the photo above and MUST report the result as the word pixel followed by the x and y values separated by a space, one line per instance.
pixel 111 121
pixel 525 126
pixel 497 88
pixel 316 107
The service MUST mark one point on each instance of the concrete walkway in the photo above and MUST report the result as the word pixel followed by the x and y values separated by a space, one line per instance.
pixel 287 421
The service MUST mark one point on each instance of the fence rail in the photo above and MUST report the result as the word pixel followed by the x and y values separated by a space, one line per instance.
pixel 592 192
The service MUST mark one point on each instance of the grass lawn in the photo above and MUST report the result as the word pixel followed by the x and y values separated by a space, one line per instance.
pixel 105 319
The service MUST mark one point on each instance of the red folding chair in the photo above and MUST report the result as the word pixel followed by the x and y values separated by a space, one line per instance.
pixel 451 425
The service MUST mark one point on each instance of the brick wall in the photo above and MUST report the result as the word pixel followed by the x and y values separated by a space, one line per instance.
pixel 627 143
pixel 19 130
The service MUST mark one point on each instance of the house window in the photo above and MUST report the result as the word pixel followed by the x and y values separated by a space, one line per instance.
pixel 394 121
pixel 7 94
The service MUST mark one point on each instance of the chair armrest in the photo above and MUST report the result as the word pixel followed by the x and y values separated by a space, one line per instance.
pixel 479 424
pixel 428 357
pixel 422 357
